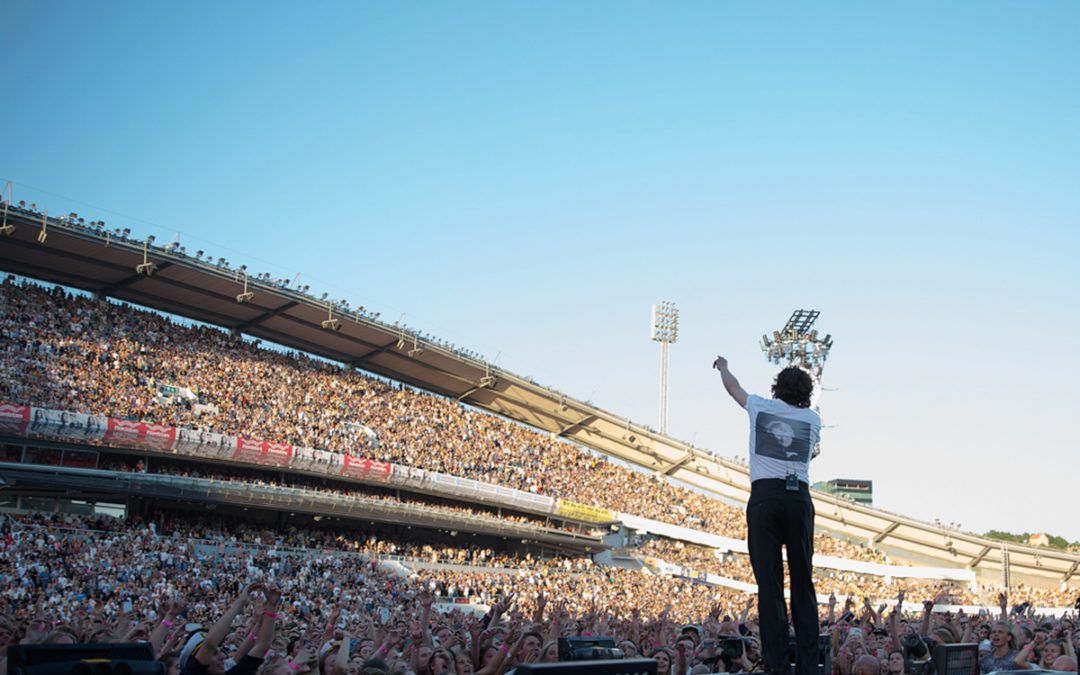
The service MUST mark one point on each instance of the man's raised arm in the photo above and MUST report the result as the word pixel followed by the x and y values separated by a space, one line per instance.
pixel 730 383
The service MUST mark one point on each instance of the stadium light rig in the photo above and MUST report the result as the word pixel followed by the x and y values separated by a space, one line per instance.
pixel 331 323
pixel 6 228
pixel 246 296
pixel 665 330
pixel 797 343
pixel 147 267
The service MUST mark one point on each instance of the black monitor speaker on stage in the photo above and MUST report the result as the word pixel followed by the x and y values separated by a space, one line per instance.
pixel 588 649
pixel 958 659
pixel 602 667
pixel 824 655
pixel 134 658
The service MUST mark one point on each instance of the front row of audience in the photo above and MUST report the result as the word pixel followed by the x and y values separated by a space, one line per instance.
pixel 340 614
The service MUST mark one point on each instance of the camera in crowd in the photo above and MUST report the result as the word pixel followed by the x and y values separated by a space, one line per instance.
pixel 732 646
pixel 730 650
pixel 917 655
pixel 915 647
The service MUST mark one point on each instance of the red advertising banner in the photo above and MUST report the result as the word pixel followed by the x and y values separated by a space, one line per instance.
pixel 140 434
pixel 262 452
pixel 278 454
pixel 14 418
pixel 359 467
pixel 159 436
pixel 248 450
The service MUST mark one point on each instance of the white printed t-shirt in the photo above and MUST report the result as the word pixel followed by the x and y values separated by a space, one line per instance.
pixel 782 438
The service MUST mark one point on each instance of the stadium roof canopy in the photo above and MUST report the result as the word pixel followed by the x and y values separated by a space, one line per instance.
pixel 101 262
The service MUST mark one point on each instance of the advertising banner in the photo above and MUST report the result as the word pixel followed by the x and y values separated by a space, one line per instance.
pixel 69 425
pixel 276 454
pixel 590 514
pixel 204 444
pixel 14 418
pixel 254 451
pixel 46 417
pixel 140 434
pixel 358 467
pixel 158 437
pixel 248 450
pixel 414 477
pixel 310 459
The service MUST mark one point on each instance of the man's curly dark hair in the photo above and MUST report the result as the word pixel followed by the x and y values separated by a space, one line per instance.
pixel 793 386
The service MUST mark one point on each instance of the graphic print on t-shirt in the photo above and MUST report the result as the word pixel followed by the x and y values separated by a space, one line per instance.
pixel 782 438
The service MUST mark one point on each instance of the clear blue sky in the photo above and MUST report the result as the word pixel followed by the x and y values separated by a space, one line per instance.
pixel 526 179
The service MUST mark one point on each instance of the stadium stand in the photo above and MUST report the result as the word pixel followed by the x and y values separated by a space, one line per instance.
pixel 358 595
pixel 112 263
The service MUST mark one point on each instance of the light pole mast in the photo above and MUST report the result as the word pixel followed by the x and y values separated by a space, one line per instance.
pixel 665 330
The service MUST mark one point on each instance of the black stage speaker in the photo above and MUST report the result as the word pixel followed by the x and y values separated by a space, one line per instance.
pixel 134 658
pixel 824 655
pixel 958 659
pixel 588 649
pixel 604 667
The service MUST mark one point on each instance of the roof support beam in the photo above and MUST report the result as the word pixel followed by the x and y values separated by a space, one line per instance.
pixel 979 558
pixel 360 361
pixel 581 422
pixel 243 328
pixel 884 533
pixel 682 462
pixel 467 393
pixel 1072 571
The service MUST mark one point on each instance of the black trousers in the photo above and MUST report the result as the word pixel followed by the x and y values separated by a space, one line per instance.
pixel 777 518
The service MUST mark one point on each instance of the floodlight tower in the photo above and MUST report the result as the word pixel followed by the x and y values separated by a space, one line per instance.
pixel 797 344
pixel 665 330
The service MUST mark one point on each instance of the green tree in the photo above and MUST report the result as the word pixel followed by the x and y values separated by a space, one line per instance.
pixel 1007 536
pixel 1058 542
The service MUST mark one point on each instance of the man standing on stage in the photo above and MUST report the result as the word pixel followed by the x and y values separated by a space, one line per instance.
pixel 783 433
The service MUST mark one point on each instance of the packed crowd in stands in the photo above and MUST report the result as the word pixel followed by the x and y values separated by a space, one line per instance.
pixel 842 583
pixel 704 559
pixel 66 579
pixel 825 544
pixel 687 555
pixel 69 352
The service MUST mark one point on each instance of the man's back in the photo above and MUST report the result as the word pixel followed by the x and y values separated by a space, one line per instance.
pixel 782 438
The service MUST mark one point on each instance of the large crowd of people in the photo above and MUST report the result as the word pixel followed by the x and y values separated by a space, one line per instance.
pixel 67 579
pixel 691 557
pixel 69 352
pixel 736 567
pixel 322 600
pixel 705 559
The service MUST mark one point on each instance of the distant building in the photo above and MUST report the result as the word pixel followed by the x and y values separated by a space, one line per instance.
pixel 1039 540
pixel 855 489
